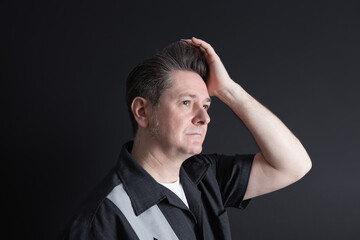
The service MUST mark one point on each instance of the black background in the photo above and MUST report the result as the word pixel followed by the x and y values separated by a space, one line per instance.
pixel 63 71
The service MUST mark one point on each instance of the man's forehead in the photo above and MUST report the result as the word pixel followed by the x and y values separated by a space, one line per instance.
pixel 188 83
pixel 183 75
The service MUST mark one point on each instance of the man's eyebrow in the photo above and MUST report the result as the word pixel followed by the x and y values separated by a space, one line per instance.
pixel 193 96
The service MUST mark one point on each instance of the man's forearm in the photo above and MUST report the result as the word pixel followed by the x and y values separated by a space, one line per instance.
pixel 280 148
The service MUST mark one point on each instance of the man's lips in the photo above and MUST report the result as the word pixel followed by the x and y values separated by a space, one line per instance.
pixel 195 134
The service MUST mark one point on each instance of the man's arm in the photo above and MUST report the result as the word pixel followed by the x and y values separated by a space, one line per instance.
pixel 282 160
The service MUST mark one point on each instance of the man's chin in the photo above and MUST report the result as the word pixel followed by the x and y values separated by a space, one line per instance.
pixel 195 150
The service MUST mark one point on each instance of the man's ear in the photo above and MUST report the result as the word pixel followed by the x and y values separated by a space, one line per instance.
pixel 141 109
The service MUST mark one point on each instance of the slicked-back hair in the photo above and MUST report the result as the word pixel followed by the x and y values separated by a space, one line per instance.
pixel 152 77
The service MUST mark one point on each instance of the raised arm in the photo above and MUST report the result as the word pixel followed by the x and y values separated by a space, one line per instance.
pixel 282 159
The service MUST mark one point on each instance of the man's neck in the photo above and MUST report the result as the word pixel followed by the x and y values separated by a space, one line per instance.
pixel 162 166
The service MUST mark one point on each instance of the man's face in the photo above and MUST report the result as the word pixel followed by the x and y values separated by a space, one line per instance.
pixel 180 121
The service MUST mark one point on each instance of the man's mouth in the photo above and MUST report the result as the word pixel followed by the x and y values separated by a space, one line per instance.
pixel 195 134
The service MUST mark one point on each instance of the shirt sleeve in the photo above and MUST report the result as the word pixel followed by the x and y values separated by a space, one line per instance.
pixel 232 175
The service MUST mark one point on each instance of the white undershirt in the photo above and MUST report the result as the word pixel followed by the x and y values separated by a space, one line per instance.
pixel 177 188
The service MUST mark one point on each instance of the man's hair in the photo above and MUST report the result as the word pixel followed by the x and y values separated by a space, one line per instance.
pixel 152 77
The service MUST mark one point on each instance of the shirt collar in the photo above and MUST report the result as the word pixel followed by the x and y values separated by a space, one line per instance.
pixel 142 188
pixel 196 168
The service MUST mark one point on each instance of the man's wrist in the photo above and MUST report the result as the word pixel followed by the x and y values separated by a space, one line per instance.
pixel 231 92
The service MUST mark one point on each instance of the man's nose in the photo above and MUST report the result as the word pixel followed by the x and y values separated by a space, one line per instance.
pixel 201 117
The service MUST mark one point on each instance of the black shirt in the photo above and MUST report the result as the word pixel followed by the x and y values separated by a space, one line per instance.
pixel 211 183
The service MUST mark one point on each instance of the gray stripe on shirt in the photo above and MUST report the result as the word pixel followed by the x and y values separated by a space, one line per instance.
pixel 149 224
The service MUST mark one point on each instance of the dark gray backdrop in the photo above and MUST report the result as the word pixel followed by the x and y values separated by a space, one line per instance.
pixel 64 66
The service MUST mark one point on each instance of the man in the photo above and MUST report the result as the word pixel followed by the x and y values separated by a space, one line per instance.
pixel 162 187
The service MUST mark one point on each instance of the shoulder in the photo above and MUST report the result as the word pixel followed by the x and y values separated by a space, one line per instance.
pixel 95 206
pixel 106 221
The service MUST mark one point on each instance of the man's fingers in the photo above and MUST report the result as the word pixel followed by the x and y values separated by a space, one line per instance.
pixel 203 45
pixel 189 41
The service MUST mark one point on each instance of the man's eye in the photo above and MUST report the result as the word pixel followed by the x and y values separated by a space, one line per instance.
pixel 186 102
pixel 206 107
